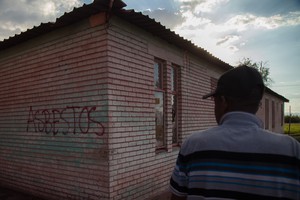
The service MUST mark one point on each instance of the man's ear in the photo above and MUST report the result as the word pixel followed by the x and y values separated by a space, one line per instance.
pixel 225 104
pixel 223 98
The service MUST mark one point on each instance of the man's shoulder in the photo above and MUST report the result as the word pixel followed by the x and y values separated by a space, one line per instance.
pixel 280 137
pixel 201 139
pixel 208 133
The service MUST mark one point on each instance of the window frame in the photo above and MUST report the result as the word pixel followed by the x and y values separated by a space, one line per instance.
pixel 273 114
pixel 174 93
pixel 267 113
pixel 160 89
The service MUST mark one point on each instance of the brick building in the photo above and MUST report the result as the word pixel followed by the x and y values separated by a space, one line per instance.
pixel 95 105
pixel 271 111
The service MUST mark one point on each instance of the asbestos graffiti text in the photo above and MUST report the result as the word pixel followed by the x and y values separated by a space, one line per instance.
pixel 71 119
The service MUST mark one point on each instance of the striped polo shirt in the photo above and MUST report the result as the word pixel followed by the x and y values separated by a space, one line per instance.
pixel 238 160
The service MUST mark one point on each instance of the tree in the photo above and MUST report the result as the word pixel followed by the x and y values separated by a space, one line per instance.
pixel 261 66
pixel 292 119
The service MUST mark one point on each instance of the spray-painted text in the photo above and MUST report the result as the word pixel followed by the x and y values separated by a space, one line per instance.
pixel 72 119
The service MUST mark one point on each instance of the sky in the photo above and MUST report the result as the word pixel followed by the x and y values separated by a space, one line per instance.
pixel 262 30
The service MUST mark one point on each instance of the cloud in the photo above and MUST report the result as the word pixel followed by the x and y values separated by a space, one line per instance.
pixel 165 17
pixel 209 5
pixel 198 6
pixel 232 48
pixel 248 21
pixel 199 26
pixel 227 39
pixel 221 26
pixel 191 21
pixel 229 42
pixel 193 14
pixel 188 14
pixel 292 19
pixel 15 19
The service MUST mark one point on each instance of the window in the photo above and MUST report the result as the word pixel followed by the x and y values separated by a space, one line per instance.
pixel 159 104
pixel 166 103
pixel 158 75
pixel 174 103
pixel 273 114
pixel 266 113
pixel 282 114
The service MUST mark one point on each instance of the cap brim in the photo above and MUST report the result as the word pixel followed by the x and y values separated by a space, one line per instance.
pixel 209 95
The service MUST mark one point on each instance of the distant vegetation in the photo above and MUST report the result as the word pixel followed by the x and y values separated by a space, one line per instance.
pixel 292 126
pixel 261 66
pixel 292 119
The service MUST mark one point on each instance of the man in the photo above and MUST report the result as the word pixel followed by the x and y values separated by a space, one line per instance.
pixel 238 159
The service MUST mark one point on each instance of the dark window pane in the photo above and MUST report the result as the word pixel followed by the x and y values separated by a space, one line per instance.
pixel 282 114
pixel 157 76
pixel 159 118
pixel 173 78
pixel 266 114
pixel 273 114
pixel 174 119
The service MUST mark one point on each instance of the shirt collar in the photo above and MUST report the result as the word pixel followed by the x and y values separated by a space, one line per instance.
pixel 240 118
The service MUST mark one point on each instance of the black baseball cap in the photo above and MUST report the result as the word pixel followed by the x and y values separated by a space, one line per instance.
pixel 239 82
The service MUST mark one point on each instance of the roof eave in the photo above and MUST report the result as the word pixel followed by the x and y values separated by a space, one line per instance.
pixel 268 90
pixel 66 19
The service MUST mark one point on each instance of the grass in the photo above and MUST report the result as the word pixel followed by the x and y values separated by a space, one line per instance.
pixel 294 130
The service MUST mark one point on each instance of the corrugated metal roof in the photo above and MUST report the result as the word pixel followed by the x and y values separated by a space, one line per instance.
pixel 137 18
pixel 268 90
pixel 157 29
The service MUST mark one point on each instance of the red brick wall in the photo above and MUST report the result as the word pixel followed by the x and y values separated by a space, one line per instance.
pixel 53 119
pixel 78 118
pixel 137 169
pixel 196 81
pixel 131 114
pixel 275 111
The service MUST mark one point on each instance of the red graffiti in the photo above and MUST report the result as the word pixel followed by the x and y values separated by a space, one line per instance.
pixel 67 120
